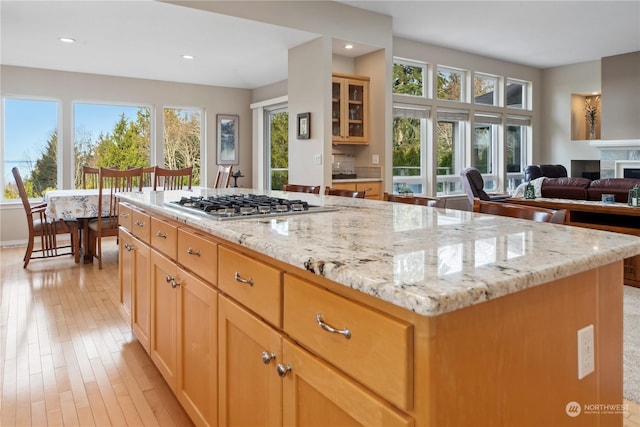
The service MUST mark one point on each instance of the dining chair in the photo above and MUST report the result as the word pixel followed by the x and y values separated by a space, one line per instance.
pixel 90 177
pixel 328 191
pixel 313 189
pixel 224 176
pixel 415 200
pixel 110 183
pixel 533 213
pixel 45 230
pixel 173 179
pixel 148 179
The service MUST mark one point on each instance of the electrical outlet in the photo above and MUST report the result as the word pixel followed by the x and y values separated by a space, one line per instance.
pixel 375 159
pixel 586 352
pixel 318 159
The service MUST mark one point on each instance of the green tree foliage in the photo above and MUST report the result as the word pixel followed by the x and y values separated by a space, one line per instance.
pixel 406 146
pixel 127 145
pixel 279 128
pixel 407 79
pixel 45 171
pixel 449 86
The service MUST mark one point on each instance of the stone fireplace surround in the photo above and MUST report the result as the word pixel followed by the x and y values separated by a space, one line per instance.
pixel 617 155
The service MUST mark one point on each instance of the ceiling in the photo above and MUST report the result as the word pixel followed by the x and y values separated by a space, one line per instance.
pixel 146 39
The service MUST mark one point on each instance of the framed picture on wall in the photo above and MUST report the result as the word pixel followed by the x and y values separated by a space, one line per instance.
pixel 304 125
pixel 228 142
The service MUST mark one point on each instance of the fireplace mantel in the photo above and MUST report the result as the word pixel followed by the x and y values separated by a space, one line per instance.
pixel 621 144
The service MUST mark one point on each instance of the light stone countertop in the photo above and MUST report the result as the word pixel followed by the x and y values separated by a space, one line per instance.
pixel 427 260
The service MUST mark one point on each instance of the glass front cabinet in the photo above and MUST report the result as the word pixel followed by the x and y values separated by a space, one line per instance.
pixel 350 109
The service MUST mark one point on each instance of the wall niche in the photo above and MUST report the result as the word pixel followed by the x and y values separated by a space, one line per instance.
pixel 586 112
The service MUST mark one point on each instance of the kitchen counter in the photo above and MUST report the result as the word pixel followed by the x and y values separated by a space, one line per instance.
pixel 426 260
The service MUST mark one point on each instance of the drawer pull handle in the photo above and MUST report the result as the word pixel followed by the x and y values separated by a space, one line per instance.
pixel 243 280
pixel 168 278
pixel 192 252
pixel 283 370
pixel 160 234
pixel 267 357
pixel 124 215
pixel 128 247
pixel 344 332
pixel 174 284
pixel 139 223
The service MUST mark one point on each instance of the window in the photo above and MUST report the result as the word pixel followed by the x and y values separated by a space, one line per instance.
pixel 450 150
pixel 31 144
pixel 485 147
pixel 182 136
pixel 517 94
pixel 408 148
pixel 409 78
pixel 451 84
pixel 517 134
pixel 110 136
pixel 485 89
pixel 277 138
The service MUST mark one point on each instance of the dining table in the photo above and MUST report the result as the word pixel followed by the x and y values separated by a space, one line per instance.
pixel 77 205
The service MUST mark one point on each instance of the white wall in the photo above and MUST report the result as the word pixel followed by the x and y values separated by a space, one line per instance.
pixel 69 87
pixel 559 83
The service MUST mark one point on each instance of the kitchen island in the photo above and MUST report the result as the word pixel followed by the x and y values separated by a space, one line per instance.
pixel 378 314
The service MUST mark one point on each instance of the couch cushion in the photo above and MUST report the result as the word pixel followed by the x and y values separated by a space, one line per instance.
pixel 565 188
pixel 619 187
pixel 532 172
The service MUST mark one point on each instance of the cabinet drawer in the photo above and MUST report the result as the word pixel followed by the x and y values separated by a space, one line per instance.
pixel 124 216
pixel 198 254
pixel 378 352
pixel 256 285
pixel 141 225
pixel 164 237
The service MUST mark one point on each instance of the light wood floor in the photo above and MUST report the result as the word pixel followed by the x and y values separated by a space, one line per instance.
pixel 67 354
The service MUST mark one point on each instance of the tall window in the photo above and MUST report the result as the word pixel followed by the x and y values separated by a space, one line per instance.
pixel 408 142
pixel 451 84
pixel 485 89
pixel 485 147
pixel 517 134
pixel 409 78
pixel 450 129
pixel 277 147
pixel 110 136
pixel 31 145
pixel 182 136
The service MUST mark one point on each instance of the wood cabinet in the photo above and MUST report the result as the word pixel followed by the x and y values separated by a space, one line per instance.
pixel 372 189
pixel 350 109
pixel 184 337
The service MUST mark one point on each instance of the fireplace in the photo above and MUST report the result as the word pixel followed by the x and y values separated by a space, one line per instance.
pixel 617 156
pixel 632 173
pixel 627 169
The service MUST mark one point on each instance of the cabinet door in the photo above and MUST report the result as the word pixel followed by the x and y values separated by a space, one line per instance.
pixel 356 111
pixel 315 394
pixel 250 390
pixel 141 290
pixel 164 303
pixel 197 349
pixel 125 268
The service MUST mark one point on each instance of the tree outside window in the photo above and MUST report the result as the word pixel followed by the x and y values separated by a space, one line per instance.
pixel 409 78
pixel 182 136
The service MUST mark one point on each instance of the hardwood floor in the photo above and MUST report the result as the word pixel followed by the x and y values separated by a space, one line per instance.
pixel 67 354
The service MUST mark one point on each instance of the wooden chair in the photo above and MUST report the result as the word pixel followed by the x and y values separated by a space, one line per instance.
pixel 343 193
pixel 519 211
pixel 223 177
pixel 148 179
pixel 313 189
pixel 111 182
pixel 90 176
pixel 173 179
pixel 44 229
pixel 415 200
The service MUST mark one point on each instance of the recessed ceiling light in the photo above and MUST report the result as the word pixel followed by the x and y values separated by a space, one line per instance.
pixel 67 40
pixel 188 57
pixel 348 46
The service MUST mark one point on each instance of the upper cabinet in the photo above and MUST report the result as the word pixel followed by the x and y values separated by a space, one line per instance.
pixel 350 109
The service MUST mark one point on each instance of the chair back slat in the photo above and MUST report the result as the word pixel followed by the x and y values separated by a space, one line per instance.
pixel 532 213
pixel 298 188
pixel 172 179
pixel 344 193
pixel 90 177
pixel 416 200
pixel 223 176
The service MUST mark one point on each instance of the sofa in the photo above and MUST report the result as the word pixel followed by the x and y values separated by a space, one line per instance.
pixel 586 189
pixel 532 172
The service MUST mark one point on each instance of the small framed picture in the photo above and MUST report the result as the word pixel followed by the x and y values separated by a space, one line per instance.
pixel 228 139
pixel 304 125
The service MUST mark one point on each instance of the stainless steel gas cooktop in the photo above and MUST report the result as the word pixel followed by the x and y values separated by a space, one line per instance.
pixel 238 206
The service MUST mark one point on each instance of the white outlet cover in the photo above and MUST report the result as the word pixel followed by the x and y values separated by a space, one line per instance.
pixel 586 352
